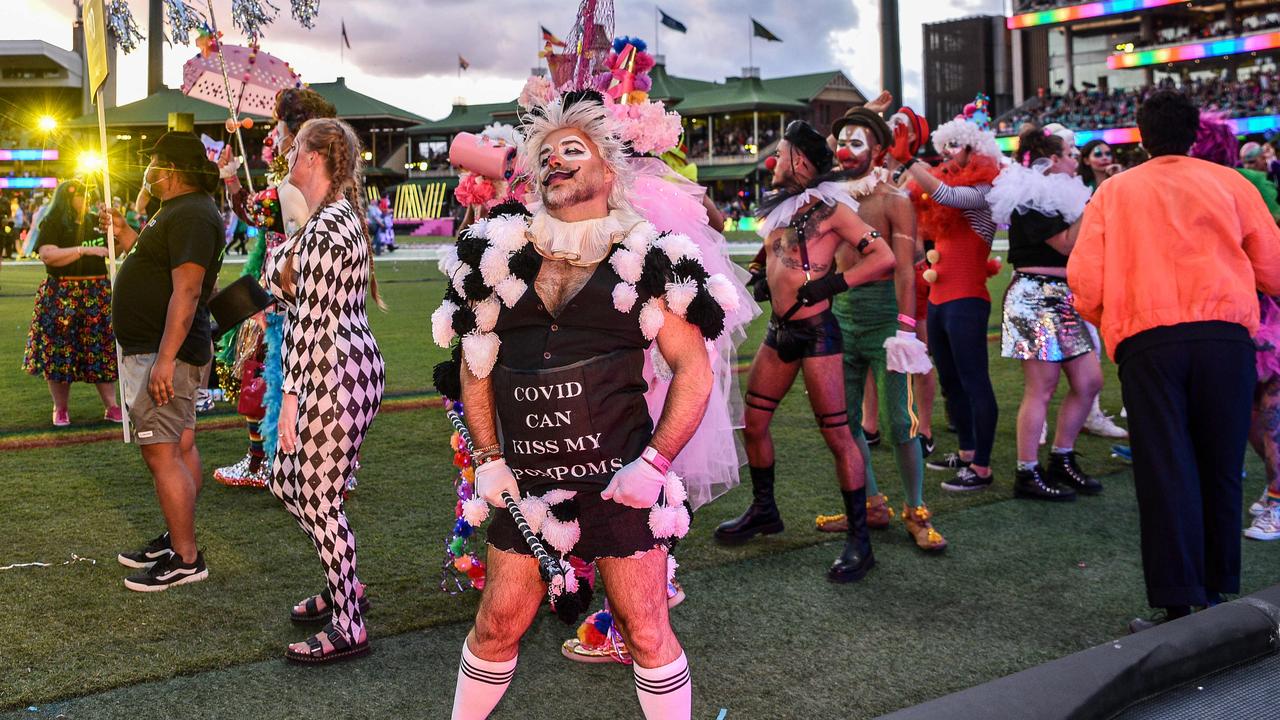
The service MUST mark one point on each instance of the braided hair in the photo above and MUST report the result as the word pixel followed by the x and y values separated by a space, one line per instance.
pixel 342 151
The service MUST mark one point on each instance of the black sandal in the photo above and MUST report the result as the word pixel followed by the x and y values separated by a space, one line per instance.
pixel 315 655
pixel 314 613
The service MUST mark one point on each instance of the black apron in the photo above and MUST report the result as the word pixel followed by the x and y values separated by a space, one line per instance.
pixel 572 426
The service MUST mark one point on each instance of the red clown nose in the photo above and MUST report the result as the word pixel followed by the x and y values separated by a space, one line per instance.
pixel 771 162
pixel 844 155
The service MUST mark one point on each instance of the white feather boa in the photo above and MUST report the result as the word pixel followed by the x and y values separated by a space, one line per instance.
pixel 1019 189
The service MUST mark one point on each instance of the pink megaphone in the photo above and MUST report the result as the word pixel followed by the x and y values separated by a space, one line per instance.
pixel 478 154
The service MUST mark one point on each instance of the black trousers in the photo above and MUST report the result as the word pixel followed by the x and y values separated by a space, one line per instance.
pixel 1188 390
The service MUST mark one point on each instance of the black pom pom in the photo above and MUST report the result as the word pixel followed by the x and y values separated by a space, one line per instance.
pixel 447 378
pixel 471 249
pixel 464 320
pixel 570 606
pixel 474 286
pixel 566 511
pixel 689 268
pixel 657 272
pixel 510 207
pixel 525 263
pixel 706 313
pixel 452 295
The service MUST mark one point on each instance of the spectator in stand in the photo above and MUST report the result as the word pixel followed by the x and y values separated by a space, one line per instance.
pixel 1254 168
pixel 71 339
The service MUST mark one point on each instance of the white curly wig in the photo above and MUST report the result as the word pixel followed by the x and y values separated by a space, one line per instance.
pixel 968 134
pixel 596 122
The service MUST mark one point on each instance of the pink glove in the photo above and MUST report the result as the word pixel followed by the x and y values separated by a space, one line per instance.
pixel 636 485
pixel 904 353
pixel 494 478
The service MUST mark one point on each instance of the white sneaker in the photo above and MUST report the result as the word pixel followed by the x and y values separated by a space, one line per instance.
pixel 1100 424
pixel 1266 526
pixel 1260 506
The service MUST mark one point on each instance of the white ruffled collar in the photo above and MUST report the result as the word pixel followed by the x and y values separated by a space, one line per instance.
pixel 1018 189
pixel 867 184
pixel 828 192
pixel 585 242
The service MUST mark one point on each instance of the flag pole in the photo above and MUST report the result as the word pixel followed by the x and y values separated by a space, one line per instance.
pixel 111 242
pixel 657 46
pixel 751 36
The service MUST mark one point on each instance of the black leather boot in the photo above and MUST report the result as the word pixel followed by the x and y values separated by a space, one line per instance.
pixel 1031 485
pixel 1063 470
pixel 761 517
pixel 857 557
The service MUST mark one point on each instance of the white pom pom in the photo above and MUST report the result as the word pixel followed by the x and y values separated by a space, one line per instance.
pixel 480 350
pixel 651 318
pixel 628 265
pixel 570 577
pixel 663 521
pixel 674 490
pixel 640 238
pixel 557 496
pixel 672 566
pixel 723 292
pixel 511 290
pixel 507 232
pixel 662 371
pixel 460 274
pixel 475 511
pixel 448 261
pixel 682 521
pixel 487 314
pixel 680 294
pixel 534 510
pixel 494 267
pixel 442 323
pixel 678 246
pixel 479 228
pixel 624 297
pixel 561 535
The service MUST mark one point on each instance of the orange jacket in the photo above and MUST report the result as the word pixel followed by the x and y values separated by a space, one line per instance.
pixel 1174 240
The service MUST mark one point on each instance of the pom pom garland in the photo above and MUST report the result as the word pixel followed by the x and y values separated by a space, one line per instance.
pixel 629 265
pixel 624 297
pixel 442 323
pixel 510 290
pixel 651 318
pixel 487 315
pixel 724 293
pixel 480 350
pixel 679 294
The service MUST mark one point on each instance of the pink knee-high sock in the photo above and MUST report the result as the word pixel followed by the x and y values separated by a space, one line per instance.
pixel 481 684
pixel 665 692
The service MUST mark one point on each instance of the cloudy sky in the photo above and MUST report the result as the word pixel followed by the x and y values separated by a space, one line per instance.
pixel 405 51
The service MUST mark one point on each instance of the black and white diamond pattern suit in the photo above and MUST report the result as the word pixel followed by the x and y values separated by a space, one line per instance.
pixel 332 363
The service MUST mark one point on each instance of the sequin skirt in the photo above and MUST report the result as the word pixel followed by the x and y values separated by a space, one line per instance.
pixel 1040 321
pixel 71 339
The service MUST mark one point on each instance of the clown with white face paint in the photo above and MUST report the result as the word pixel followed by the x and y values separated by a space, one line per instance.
pixel 878 327
pixel 554 313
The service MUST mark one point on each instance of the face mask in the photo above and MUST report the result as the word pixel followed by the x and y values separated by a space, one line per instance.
pixel 148 184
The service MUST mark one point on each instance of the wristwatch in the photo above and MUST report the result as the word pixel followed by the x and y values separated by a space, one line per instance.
pixel 655 458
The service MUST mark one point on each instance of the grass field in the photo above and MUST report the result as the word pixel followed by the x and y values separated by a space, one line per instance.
pixel 768 637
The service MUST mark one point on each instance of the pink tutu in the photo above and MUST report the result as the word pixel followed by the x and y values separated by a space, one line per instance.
pixel 673 203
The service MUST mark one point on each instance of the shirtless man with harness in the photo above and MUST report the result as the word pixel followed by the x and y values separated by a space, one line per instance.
pixel 803 225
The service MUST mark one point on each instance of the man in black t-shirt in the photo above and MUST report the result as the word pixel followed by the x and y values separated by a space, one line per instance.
pixel 161 320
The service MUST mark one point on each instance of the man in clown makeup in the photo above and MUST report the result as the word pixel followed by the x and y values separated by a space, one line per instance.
pixel 951 204
pixel 555 312
pixel 878 326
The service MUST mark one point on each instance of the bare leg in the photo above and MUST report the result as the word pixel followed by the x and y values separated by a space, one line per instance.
pixel 1084 378
pixel 61 393
pixel 637 591
pixel 767 384
pixel 1041 379
pixel 107 391
pixel 824 379
pixel 176 490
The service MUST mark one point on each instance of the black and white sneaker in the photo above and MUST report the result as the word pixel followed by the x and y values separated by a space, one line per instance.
pixel 168 572
pixel 950 461
pixel 146 557
pixel 966 479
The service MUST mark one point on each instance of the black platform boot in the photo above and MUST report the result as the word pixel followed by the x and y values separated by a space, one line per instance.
pixel 761 518
pixel 857 557
pixel 1063 470
pixel 1029 484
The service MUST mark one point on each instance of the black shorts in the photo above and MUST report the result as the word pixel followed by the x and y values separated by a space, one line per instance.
pixel 608 529
pixel 814 336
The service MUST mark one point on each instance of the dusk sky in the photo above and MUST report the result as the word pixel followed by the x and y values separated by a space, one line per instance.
pixel 405 51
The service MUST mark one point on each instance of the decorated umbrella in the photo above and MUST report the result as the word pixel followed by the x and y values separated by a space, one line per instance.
pixel 253 78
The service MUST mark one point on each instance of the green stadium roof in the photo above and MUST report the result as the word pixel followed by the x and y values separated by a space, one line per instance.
pixel 464 118
pixel 154 109
pixel 738 95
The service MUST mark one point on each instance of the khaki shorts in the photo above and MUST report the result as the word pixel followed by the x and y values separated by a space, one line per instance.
pixel 164 424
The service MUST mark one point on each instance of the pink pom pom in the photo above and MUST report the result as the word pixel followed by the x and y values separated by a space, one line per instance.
pixel 664 521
